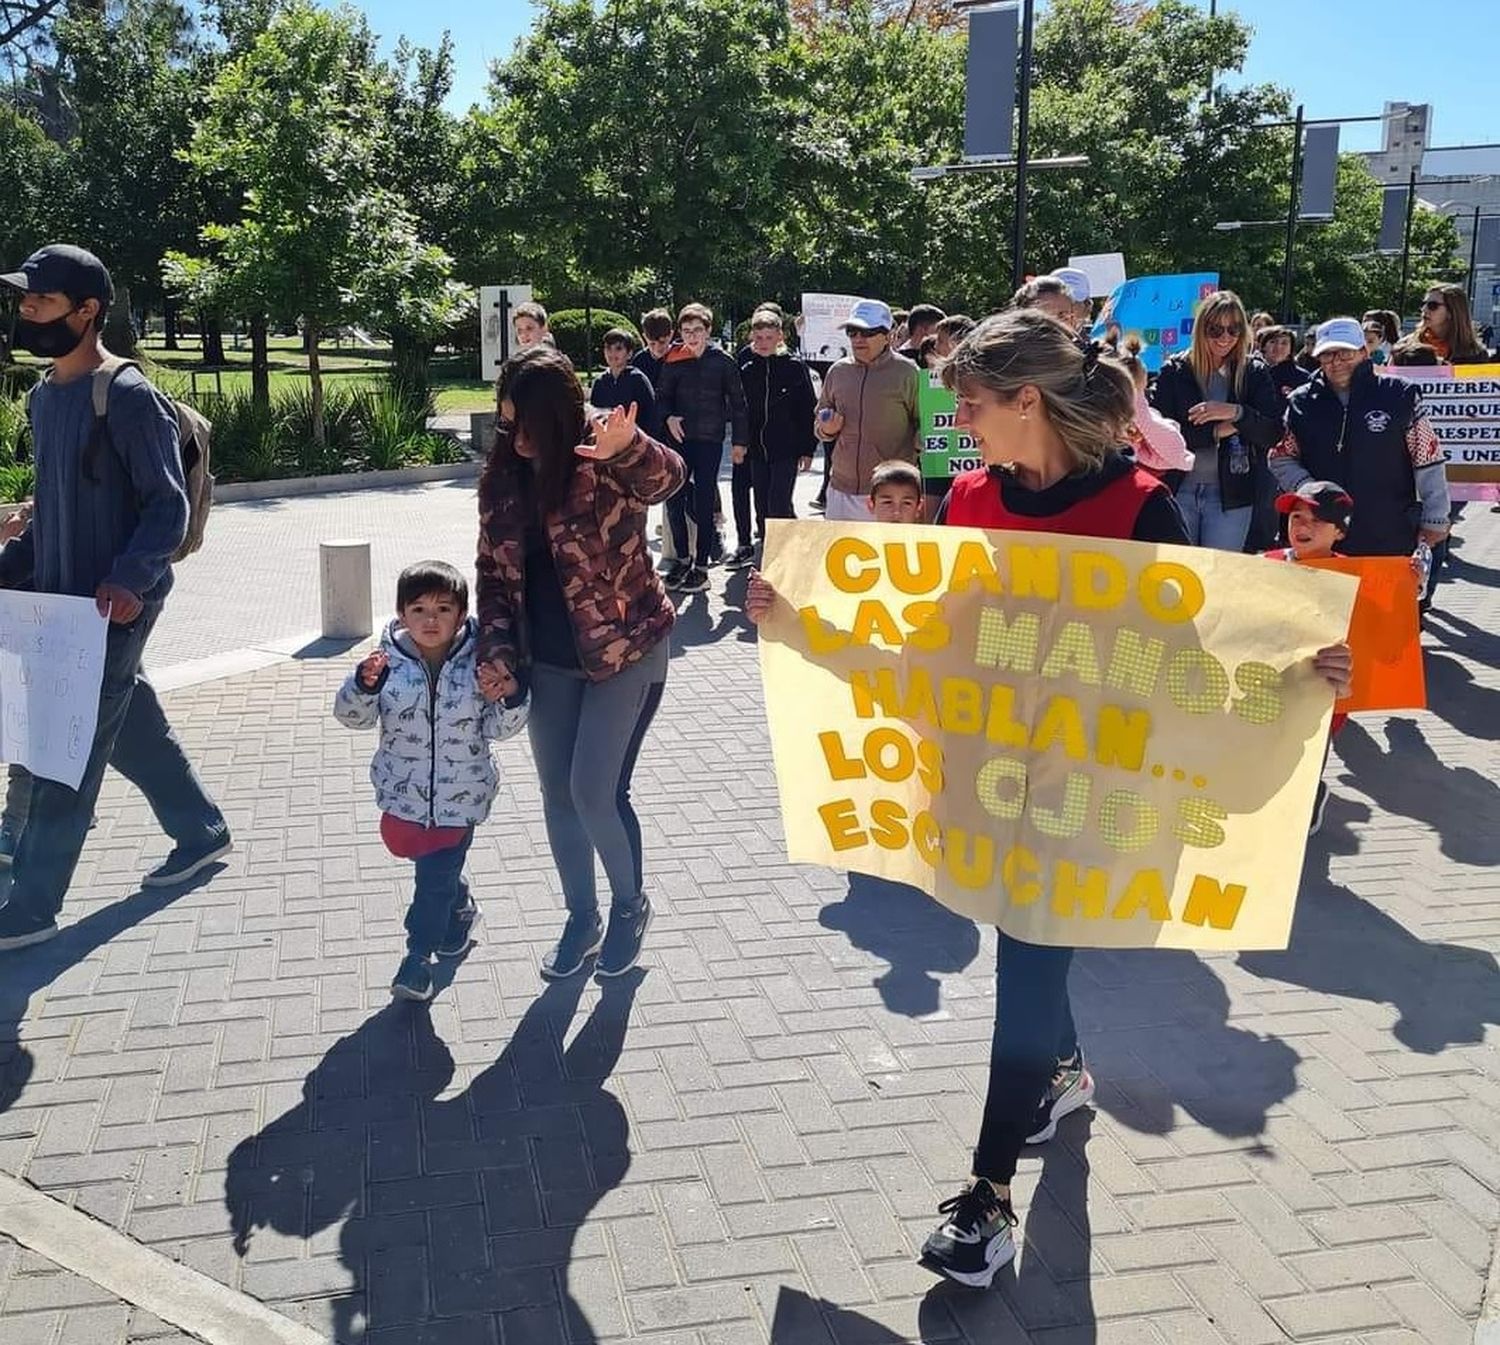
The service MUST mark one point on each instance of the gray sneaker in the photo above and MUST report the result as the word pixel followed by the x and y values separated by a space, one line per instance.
pixel 582 937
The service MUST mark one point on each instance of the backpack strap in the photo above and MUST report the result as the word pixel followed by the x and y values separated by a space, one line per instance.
pixel 103 379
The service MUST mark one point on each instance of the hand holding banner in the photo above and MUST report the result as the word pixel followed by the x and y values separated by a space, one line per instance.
pixel 1089 743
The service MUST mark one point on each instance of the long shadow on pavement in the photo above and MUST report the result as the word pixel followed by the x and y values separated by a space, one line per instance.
pixel 1046 1288
pixel 25 972
pixel 449 1211
pixel 916 935
pixel 1444 994
pixel 1410 780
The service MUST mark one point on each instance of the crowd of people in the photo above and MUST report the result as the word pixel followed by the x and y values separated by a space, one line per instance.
pixel 1236 444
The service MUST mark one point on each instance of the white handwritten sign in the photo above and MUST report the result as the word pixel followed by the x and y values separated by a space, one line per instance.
pixel 51 669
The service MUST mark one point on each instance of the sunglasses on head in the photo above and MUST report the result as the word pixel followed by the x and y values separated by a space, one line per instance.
pixel 1218 329
pixel 1433 303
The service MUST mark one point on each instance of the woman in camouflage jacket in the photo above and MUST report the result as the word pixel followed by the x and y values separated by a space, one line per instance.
pixel 570 601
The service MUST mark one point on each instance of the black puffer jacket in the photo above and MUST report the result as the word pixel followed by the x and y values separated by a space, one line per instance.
pixel 781 400
pixel 1177 390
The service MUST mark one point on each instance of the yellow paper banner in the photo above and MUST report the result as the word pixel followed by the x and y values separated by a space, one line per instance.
pixel 1088 743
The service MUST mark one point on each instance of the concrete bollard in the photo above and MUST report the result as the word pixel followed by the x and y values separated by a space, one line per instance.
pixel 481 432
pixel 344 568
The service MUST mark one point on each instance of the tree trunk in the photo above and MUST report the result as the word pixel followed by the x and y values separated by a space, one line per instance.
pixel 213 340
pixel 315 381
pixel 411 366
pixel 260 363
pixel 119 332
pixel 169 323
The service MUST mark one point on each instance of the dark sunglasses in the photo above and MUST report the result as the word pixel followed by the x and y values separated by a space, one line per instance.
pixel 1432 303
pixel 1218 329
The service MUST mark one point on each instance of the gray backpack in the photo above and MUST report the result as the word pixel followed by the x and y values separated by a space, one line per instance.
pixel 194 440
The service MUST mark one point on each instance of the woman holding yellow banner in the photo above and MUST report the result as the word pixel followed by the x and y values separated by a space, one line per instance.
pixel 1048 418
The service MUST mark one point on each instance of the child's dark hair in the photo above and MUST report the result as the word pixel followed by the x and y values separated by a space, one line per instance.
pixel 618 336
pixel 431 579
pixel 656 325
pixel 1128 356
pixel 895 472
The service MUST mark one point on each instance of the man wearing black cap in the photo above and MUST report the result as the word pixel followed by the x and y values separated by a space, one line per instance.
pixel 109 512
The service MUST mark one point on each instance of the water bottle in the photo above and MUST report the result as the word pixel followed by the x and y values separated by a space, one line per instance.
pixel 1423 558
pixel 1239 456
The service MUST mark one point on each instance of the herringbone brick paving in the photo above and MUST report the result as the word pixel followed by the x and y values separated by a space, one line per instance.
pixel 747 1140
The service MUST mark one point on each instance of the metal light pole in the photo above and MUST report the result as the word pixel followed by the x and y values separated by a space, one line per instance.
pixel 1291 219
pixel 1411 210
pixel 1023 145
pixel 1474 263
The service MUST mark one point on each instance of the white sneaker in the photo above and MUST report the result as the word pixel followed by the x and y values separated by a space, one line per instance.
pixel 1072 1087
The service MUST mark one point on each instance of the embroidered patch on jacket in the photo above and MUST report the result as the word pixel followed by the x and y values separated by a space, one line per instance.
pixel 1377 422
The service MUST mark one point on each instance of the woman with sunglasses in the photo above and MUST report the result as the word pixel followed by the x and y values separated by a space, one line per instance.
pixel 1229 410
pixel 1447 328
pixel 570 602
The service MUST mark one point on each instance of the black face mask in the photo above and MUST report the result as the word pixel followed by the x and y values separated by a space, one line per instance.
pixel 50 340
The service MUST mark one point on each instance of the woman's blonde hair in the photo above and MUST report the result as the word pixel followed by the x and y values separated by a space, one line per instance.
pixel 1220 304
pixel 1089 397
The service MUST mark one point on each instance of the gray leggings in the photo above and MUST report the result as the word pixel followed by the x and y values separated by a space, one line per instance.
pixel 585 737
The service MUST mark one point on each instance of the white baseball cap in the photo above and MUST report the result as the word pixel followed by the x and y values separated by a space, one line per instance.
pixel 870 315
pixel 1339 334
pixel 1077 283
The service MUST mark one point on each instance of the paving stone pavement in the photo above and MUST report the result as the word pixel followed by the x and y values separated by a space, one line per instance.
pixel 746 1141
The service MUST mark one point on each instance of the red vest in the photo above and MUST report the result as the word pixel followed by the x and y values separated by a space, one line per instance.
pixel 974 501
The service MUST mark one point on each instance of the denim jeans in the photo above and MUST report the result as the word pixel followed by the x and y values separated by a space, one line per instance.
pixel 134 737
pixel 439 889
pixel 700 494
pixel 586 737
pixel 1208 522
pixel 1033 1031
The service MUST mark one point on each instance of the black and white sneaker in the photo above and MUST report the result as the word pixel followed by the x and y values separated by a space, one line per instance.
pixel 741 557
pixel 413 979
pixel 974 1240
pixel 186 861
pixel 21 930
pixel 675 573
pixel 694 581
pixel 1072 1087
pixel 460 931
pixel 622 945
pixel 582 937
pixel 1319 805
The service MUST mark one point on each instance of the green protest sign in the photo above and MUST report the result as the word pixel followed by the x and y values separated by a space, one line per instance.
pixel 946 450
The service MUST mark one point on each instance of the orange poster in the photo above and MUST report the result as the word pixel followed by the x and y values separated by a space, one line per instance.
pixel 1384 634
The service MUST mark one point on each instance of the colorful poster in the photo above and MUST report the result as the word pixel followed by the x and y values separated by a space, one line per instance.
pixel 822 331
pixel 51 669
pixel 1463 402
pixel 1089 743
pixel 946 449
pixel 1159 310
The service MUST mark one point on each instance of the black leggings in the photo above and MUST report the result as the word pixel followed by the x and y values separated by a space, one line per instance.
pixel 1033 1031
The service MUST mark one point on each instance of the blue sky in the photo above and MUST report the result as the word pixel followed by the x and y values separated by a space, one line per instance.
pixel 1342 58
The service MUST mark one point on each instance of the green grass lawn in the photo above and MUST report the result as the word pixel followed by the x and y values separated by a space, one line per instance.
pixel 455 389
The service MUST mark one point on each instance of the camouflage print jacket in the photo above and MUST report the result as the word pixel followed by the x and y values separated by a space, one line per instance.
pixel 617 604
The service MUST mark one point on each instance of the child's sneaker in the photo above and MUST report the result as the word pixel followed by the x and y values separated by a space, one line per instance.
pixel 675 573
pixel 413 979
pixel 974 1241
pixel 743 556
pixel 460 931
pixel 1072 1087
pixel 582 937
pixel 694 581
pixel 622 945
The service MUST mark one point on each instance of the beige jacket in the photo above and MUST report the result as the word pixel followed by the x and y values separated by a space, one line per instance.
pixel 878 402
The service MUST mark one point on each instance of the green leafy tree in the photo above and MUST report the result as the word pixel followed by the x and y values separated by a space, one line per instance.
pixel 298 121
pixel 644 143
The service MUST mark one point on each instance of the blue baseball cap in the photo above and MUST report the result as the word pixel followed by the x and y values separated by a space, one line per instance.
pixel 61 268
